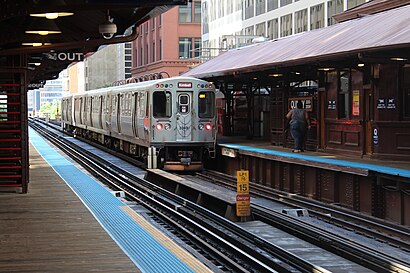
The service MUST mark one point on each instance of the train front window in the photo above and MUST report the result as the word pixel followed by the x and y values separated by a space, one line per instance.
pixel 162 104
pixel 206 104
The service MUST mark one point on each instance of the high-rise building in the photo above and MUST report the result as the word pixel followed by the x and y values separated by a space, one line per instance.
pixel 109 64
pixel 234 23
pixel 168 43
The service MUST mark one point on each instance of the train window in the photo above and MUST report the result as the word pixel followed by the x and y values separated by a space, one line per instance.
pixel 206 104
pixel 183 101
pixel 162 104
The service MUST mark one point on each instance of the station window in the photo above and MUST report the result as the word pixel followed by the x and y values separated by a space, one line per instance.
pixel 162 104
pixel 343 94
pixel 206 104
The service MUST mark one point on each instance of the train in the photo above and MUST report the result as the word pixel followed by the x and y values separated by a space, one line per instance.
pixel 168 123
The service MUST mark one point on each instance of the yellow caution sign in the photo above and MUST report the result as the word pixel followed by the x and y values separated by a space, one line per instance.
pixel 242 179
pixel 243 198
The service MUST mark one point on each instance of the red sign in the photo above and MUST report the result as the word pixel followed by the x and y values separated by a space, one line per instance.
pixel 185 84
pixel 243 197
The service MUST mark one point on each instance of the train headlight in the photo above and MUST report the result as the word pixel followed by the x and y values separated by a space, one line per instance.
pixel 158 126
pixel 167 126
pixel 201 126
pixel 208 127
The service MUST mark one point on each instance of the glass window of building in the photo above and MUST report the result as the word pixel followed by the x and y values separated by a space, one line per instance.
pixel 153 52
pixel 248 32
pixel 160 49
pixel 146 54
pixel 249 6
pixel 197 47
pixel 286 25
pixel 333 7
pixel 273 31
pixel 185 13
pixel 197 12
pixel 272 4
pixel 285 2
pixel 354 3
pixel 260 7
pixel 317 17
pixel 301 21
pixel 343 94
pixel 185 48
pixel 229 7
pixel 221 9
pixel 238 5
pixel 260 29
pixel 205 18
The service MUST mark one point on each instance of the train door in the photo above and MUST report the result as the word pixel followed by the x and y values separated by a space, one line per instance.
pixel 82 108
pixel 184 116
pixel 100 111
pixel 119 112
pixel 91 110
pixel 134 118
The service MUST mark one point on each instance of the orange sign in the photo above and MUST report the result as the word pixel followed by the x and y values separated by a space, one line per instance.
pixel 243 198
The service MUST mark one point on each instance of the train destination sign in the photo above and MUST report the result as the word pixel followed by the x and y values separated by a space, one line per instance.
pixel 185 85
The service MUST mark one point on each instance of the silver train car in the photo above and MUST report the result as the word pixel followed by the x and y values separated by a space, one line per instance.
pixel 166 123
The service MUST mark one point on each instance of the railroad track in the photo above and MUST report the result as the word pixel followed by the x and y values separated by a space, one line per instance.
pixel 238 249
pixel 395 235
pixel 209 232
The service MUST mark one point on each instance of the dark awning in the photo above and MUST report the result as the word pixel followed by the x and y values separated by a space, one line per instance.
pixel 383 31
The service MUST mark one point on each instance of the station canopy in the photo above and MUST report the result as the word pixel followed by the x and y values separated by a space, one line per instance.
pixel 381 37
pixel 76 31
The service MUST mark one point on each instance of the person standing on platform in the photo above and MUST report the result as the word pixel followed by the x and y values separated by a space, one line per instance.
pixel 298 121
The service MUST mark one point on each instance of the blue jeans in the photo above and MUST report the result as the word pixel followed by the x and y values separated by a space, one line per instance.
pixel 298 131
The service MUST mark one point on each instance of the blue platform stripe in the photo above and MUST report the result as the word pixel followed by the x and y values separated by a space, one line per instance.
pixel 146 252
pixel 344 163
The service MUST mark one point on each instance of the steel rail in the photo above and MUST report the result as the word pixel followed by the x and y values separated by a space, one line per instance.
pixel 154 197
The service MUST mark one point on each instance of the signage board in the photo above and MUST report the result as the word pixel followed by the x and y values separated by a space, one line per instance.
pixel 243 205
pixel 306 101
pixel 356 103
pixel 243 198
pixel 229 152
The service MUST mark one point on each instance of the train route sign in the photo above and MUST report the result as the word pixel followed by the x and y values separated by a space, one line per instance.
pixel 243 198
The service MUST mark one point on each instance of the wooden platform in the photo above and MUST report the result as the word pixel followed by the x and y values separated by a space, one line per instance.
pixel 50 230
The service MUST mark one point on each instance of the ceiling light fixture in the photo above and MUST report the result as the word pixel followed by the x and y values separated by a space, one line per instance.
pixel 55 8
pixel 42 26
pixel 52 15
pixel 35 44
pixel 398 59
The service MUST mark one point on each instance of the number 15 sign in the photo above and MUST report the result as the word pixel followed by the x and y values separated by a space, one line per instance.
pixel 242 179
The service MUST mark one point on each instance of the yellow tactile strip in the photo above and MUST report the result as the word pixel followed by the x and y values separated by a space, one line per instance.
pixel 178 251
